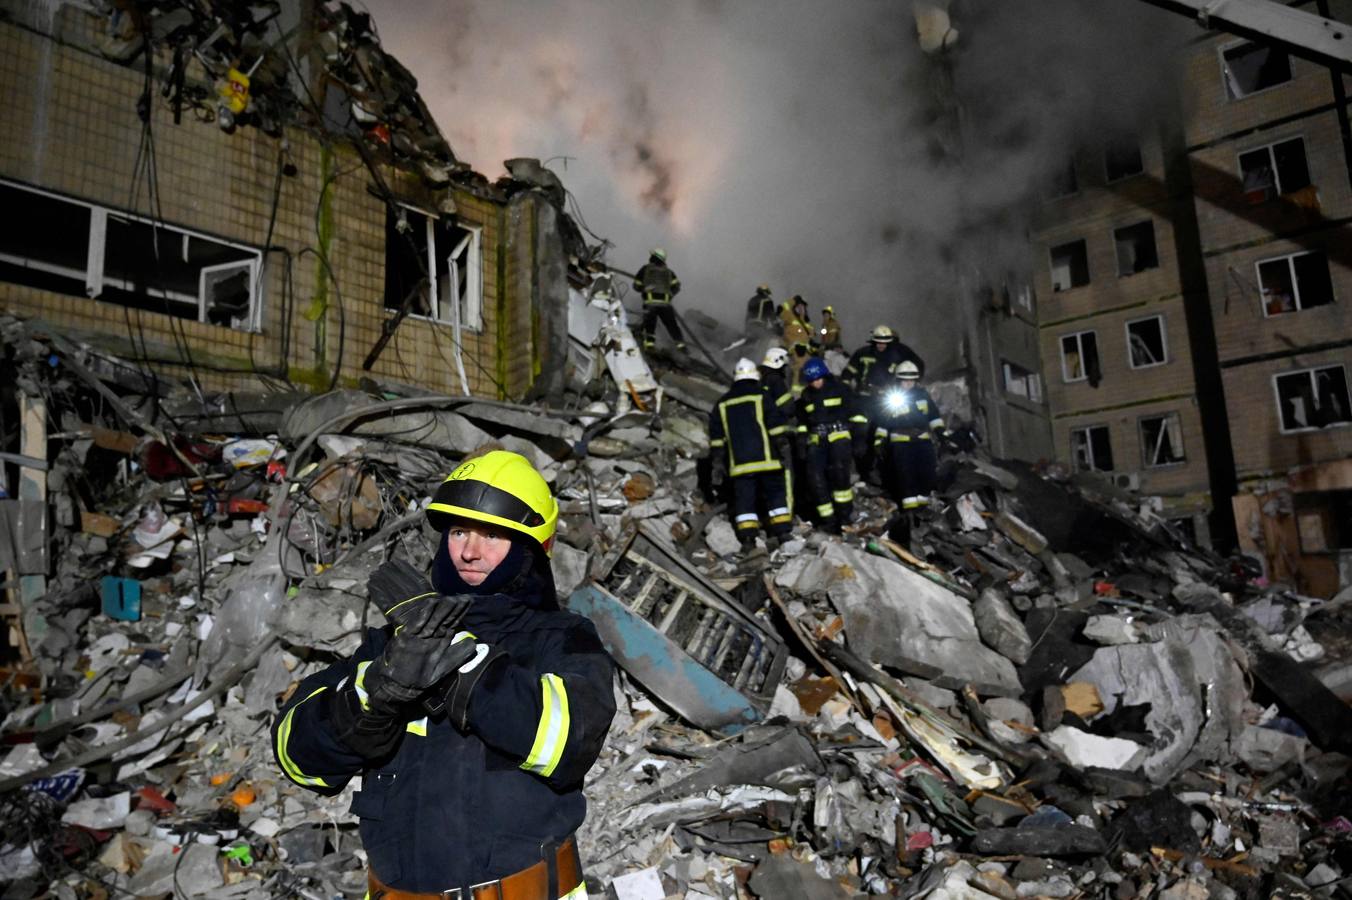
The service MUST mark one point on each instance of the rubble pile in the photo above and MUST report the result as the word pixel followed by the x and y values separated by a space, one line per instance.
pixel 1047 692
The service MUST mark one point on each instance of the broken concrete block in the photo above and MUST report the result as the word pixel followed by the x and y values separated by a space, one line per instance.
pixel 897 617
pixel 1082 699
pixel 1111 630
pixel 1020 532
pixel 1267 749
pixel 1084 750
pixel 1280 834
pixel 1001 628
pixel 721 538
pixel 569 566
pixel 644 884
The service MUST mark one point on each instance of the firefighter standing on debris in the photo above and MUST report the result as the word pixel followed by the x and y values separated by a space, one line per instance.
pixel 658 285
pixel 869 373
pixel 829 333
pixel 797 336
pixel 761 315
pixel 904 439
pixel 474 715
pixel 823 418
pixel 772 369
pixel 748 440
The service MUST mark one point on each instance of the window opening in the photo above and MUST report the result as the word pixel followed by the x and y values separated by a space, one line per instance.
pixel 1136 248
pixel 1249 68
pixel 1271 171
pixel 1091 448
pixel 1293 283
pixel 1313 398
pixel 1145 343
pixel 1161 440
pixel 1080 358
pixel 436 262
pixel 1122 159
pixel 1323 520
pixel 1070 266
pixel 1022 382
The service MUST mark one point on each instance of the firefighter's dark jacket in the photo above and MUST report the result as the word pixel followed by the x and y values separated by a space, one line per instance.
pixel 744 421
pixel 657 283
pixel 451 809
pixel 915 417
pixel 777 387
pixel 824 409
pixel 871 372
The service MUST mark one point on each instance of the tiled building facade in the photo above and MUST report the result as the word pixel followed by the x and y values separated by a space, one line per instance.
pixel 239 253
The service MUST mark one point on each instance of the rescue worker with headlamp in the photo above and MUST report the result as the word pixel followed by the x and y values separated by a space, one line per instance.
pixel 908 425
pixel 823 419
pixel 749 442
pixel 868 374
pixel 471 717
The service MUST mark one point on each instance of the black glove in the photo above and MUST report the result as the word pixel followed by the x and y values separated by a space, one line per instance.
pixel 397 588
pixel 453 695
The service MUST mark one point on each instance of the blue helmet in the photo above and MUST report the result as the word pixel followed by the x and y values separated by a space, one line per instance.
pixel 815 368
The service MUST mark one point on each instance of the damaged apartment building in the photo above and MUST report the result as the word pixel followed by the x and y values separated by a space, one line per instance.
pixel 237 192
pixel 1194 285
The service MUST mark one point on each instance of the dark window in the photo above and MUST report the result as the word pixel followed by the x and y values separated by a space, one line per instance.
pixel 1080 358
pixel 1250 68
pixel 1136 248
pixel 1122 159
pixel 1161 440
pixel 1313 398
pixel 423 253
pixel 1145 343
pixel 1070 266
pixel 1324 520
pixel 1292 283
pixel 1064 181
pixel 1091 448
pixel 1271 171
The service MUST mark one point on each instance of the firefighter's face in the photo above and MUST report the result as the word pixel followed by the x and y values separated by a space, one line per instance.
pixel 907 383
pixel 477 549
pixel 817 383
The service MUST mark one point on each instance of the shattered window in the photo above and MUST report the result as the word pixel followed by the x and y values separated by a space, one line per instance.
pixel 75 248
pixel 1091 449
pixel 1271 171
pixel 1122 159
pixel 1080 358
pixel 1070 266
pixel 1313 398
pixel 1145 342
pixel 1136 248
pixel 1249 68
pixel 1161 440
pixel 1023 383
pixel 1296 282
pixel 433 265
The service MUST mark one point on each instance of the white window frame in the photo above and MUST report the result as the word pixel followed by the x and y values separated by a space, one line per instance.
pixel 95 279
pixel 1079 341
pixel 1164 337
pixel 1225 88
pixel 1147 454
pixel 1295 283
pixel 1277 396
pixel 1272 160
pixel 1074 460
pixel 467 311
pixel 1032 379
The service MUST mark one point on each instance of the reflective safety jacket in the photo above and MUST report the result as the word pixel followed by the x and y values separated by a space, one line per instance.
pixel 657 283
pixel 743 421
pixel 870 372
pixel 796 330
pixel 907 415
pixel 829 332
pixel 452 809
pixel 776 388
pixel 760 310
pixel 824 412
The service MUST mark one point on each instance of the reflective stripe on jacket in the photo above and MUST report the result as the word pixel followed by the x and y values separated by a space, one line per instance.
pixel 742 423
pixel 657 283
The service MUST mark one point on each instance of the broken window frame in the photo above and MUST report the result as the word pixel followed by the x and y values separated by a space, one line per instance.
pixel 1025 384
pixel 96 277
pixel 1079 351
pixel 1112 145
pixel 1118 243
pixel 1277 189
pixel 1298 304
pixel 1313 374
pixel 466 312
pixel 1090 464
pixel 1231 94
pixel 1051 261
pixel 1164 342
pixel 1172 427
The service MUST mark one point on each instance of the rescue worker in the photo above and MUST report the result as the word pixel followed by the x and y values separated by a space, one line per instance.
pixel 829 333
pixel 797 336
pixel 869 374
pixel 658 285
pixel 748 440
pixel 772 369
pixel 761 315
pixel 909 424
pixel 473 715
pixel 823 417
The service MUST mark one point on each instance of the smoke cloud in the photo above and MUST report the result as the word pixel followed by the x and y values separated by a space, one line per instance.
pixel 810 145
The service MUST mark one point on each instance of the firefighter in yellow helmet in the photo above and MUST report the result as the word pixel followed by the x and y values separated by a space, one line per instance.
pixel 473 716
pixel 828 335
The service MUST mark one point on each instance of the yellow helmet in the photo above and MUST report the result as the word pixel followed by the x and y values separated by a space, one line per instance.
pixel 498 488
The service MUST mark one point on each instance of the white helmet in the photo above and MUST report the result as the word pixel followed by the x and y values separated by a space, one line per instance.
pixel 907 369
pixel 745 369
pixel 775 358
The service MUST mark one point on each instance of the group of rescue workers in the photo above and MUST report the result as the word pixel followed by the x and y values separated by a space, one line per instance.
pixel 791 416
